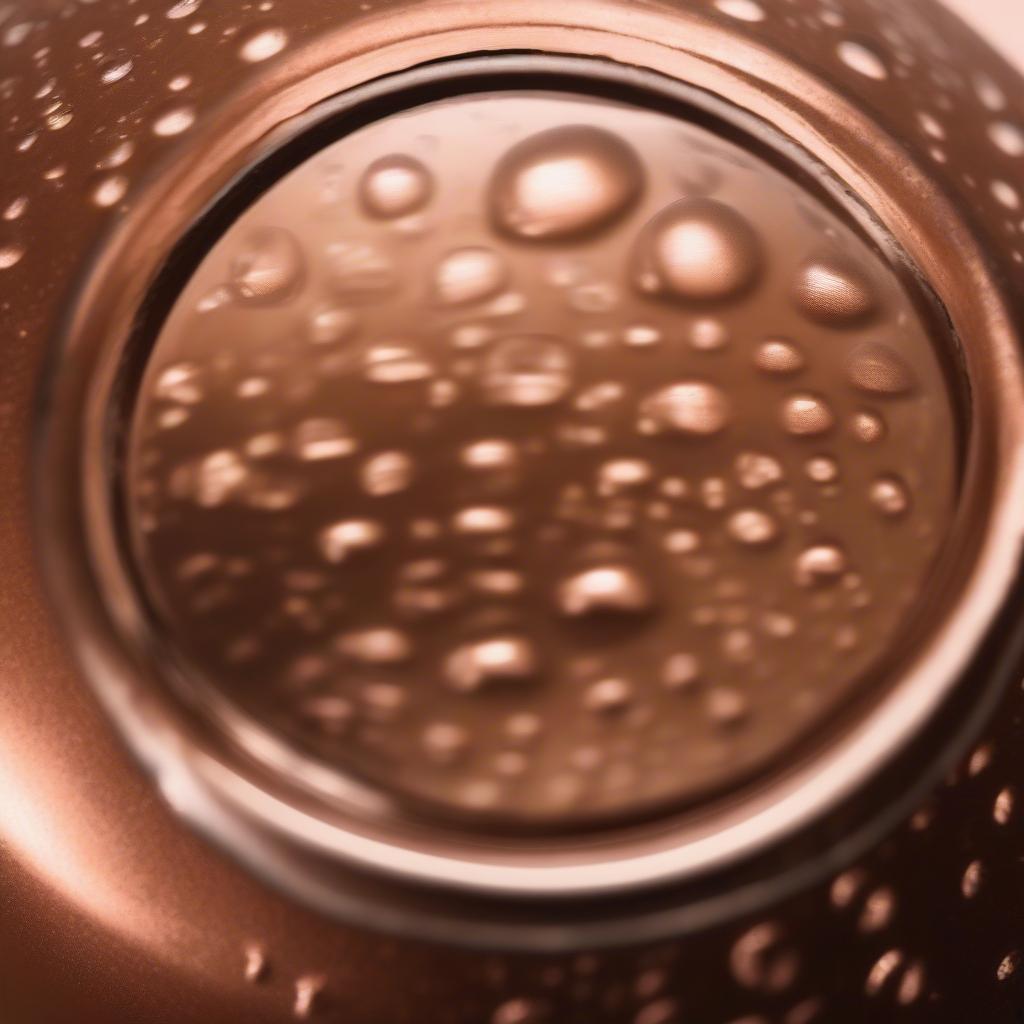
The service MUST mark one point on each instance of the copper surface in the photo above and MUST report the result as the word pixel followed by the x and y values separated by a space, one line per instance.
pixel 115 906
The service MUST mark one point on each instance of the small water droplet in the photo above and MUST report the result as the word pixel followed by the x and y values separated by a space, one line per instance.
pixel 617 589
pixel 269 268
pixel 835 292
pixel 174 121
pixel 805 415
pixel 889 496
pixel 469 275
pixel 527 371
pixel 743 10
pixel 878 369
pixel 820 565
pixel 496 660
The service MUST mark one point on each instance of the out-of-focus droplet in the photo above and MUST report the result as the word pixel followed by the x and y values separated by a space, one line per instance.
pixel 268 268
pixel 262 44
pixel 879 370
pixel 693 408
pixel 469 275
pixel 527 371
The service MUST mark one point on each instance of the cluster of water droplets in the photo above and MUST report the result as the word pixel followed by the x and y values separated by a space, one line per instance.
pixel 531 494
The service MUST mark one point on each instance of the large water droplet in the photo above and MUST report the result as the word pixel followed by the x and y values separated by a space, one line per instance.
pixel 564 183
pixel 505 659
pixel 262 44
pixel 699 250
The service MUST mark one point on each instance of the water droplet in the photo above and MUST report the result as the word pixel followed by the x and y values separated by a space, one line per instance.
pixel 16 208
pixel 490 455
pixel 1008 966
pixel 760 960
pixel 183 8
pixel 318 439
pixel 805 415
pixel 680 671
pixel 617 589
pixel 862 59
pixel 1007 137
pixel 219 477
pixel 256 964
pixel 483 520
pixel 608 695
pixel 1006 195
pixel 623 474
pixel 698 250
pixel 360 269
pixel 565 183
pixel 527 371
pixel 174 121
pixel 395 364
pixel 329 325
pixel 58 116
pixel 822 469
pixel 395 186
pixel 469 275
pixel 387 473
pixel 755 471
pixel 970 884
pixel 878 369
pixel 339 540
pixel 505 659
pixel 376 646
pixel 114 70
pixel 868 427
pixel 709 335
pixel 819 565
pixel 445 742
pixel 753 527
pixel 779 356
pixel 519 1011
pixel 889 495
pixel 309 991
pixel 835 292
pixel 743 10
pixel 690 407
pixel 263 44
pixel 269 268
pixel 1002 811
pixel 110 191
pixel 10 255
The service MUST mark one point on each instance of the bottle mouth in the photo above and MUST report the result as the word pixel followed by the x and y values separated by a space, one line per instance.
pixel 531 478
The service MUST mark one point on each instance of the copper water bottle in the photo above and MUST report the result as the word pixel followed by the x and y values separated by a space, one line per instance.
pixel 511 513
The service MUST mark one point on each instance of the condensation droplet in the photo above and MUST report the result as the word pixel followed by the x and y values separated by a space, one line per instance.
pixel 341 539
pixel 835 292
pixel 861 58
pixel 565 182
pixel 760 960
pixel 114 71
pixel 868 427
pixel 10 255
pixel 693 408
pixel 605 589
pixel 387 473
pixel 395 186
pixel 1007 137
pixel 805 415
pixel 469 275
pixel 174 121
pixel 819 565
pixel 183 8
pixel 263 44
pixel 752 527
pixel 878 369
pixel 743 10
pixel 110 191
pixel 527 371
pixel 697 250
pixel 778 356
pixel 269 268
pixel 505 659
pixel 888 494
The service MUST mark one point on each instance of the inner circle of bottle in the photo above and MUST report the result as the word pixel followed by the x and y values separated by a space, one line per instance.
pixel 538 457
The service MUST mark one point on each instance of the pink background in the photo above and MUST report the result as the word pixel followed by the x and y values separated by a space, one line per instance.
pixel 1002 21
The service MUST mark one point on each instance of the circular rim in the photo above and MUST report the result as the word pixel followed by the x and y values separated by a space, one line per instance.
pixel 219 798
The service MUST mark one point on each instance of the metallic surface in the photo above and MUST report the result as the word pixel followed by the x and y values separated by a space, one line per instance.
pixel 113 903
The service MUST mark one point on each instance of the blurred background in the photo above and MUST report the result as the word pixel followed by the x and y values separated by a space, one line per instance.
pixel 1001 21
